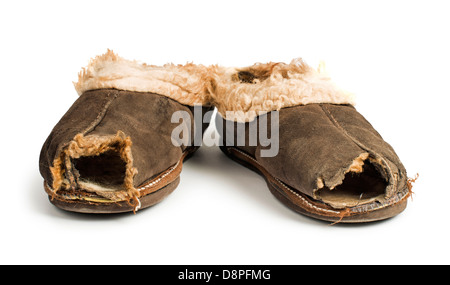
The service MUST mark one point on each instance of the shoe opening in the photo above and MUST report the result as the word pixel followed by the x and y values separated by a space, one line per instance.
pixel 357 188
pixel 106 171
pixel 98 164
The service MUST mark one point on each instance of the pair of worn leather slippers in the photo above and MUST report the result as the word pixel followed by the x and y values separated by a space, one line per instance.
pixel 121 146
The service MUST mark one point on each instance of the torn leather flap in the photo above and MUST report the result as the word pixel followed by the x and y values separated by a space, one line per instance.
pixel 363 181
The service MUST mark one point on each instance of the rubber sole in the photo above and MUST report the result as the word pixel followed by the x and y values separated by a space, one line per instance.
pixel 305 205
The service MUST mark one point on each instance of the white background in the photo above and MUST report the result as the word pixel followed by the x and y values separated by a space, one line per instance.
pixel 394 55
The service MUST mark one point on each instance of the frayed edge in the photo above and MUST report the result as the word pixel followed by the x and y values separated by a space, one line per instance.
pixel 57 172
pixel 135 202
pixel 342 215
pixel 93 146
pixel 409 184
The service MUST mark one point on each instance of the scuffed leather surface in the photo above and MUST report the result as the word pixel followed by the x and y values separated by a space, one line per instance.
pixel 145 117
pixel 321 141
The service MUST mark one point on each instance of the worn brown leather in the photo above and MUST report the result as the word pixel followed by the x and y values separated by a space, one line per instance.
pixel 143 117
pixel 320 141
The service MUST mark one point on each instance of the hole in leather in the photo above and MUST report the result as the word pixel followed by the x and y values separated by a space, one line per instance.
pixel 356 188
pixel 106 170
pixel 246 77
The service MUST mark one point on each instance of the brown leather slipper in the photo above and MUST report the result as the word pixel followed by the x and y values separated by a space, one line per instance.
pixel 113 151
pixel 318 154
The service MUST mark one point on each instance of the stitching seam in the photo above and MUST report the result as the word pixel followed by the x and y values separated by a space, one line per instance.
pixel 101 114
pixel 153 183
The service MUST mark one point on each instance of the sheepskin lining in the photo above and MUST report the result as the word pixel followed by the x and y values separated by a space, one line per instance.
pixel 262 88
pixel 187 84
pixel 251 91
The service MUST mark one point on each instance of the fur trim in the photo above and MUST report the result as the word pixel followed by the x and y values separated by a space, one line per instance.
pixel 186 84
pixel 262 88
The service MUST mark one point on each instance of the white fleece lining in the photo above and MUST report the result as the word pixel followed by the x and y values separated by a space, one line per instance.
pixel 186 84
pixel 272 86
